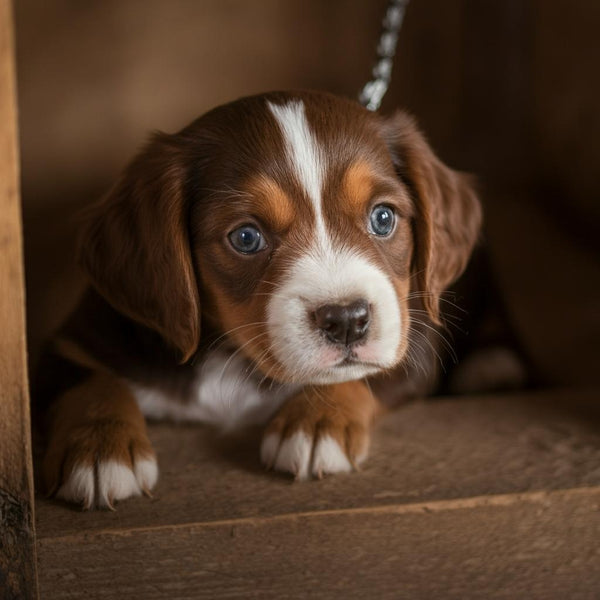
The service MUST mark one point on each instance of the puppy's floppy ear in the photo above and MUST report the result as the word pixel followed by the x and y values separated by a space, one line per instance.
pixel 447 211
pixel 135 245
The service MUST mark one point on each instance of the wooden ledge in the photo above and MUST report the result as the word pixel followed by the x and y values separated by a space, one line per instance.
pixel 460 495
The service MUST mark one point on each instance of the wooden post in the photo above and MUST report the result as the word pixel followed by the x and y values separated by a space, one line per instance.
pixel 17 536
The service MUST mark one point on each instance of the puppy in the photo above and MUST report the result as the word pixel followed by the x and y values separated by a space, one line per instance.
pixel 256 267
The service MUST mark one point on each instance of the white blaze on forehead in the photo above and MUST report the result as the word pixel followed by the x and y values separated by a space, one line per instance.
pixel 303 153
pixel 325 273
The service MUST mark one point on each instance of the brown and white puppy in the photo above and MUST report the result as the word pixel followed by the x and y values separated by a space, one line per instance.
pixel 255 267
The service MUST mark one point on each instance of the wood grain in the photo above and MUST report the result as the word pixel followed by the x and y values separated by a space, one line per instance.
pixel 17 549
pixel 428 451
pixel 489 497
pixel 527 546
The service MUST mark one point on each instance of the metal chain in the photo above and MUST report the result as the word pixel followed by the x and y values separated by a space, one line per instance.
pixel 372 94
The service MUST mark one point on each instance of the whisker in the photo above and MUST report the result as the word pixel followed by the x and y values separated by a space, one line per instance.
pixel 422 294
pixel 271 372
pixel 237 351
pixel 445 342
pixel 254 324
pixel 416 273
pixel 413 361
pixel 268 282
pixel 448 321
pixel 256 364
pixel 428 341
pixel 426 314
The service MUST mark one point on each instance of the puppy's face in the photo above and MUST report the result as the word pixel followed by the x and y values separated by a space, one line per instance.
pixel 303 240
pixel 297 224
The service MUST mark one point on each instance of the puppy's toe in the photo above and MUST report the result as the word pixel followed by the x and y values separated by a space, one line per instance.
pixel 146 473
pixel 79 486
pixel 329 457
pixel 291 454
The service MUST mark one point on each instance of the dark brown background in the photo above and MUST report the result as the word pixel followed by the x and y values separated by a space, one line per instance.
pixel 508 90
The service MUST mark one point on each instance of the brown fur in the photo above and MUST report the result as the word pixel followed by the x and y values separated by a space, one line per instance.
pixel 271 203
pixel 136 249
pixel 448 214
pixel 94 421
pixel 156 253
pixel 344 411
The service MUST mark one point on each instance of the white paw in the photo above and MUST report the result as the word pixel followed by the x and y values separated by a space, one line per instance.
pixel 305 456
pixel 108 481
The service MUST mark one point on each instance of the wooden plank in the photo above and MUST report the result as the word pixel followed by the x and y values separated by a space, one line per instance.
pixel 536 545
pixel 428 451
pixel 428 73
pixel 17 545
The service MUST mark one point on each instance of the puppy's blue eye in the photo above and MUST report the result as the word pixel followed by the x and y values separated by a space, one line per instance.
pixel 382 220
pixel 247 239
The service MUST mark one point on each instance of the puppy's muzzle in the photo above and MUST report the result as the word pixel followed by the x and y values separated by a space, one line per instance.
pixel 344 324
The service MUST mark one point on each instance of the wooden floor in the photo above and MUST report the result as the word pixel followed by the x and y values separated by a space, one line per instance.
pixel 487 497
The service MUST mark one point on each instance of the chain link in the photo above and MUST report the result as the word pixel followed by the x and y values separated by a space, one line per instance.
pixel 372 94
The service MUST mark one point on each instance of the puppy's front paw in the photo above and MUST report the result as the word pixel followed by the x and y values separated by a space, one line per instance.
pixel 306 440
pixel 97 464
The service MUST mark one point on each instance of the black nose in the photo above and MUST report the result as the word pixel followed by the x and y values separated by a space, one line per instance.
pixel 344 324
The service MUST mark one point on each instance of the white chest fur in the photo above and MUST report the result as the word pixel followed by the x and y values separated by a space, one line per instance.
pixel 225 393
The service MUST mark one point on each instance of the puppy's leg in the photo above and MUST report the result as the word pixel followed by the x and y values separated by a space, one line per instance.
pixel 321 430
pixel 98 448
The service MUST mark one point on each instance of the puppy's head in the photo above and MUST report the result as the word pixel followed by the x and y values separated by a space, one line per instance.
pixel 298 224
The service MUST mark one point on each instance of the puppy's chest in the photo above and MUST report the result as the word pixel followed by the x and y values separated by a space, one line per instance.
pixel 223 390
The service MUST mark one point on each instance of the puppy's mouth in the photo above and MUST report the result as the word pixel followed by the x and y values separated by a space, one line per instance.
pixel 350 359
pixel 348 368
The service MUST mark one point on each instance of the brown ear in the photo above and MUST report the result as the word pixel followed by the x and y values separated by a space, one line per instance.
pixel 447 211
pixel 135 246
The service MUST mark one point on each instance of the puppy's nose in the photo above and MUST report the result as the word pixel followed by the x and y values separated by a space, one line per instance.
pixel 344 324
